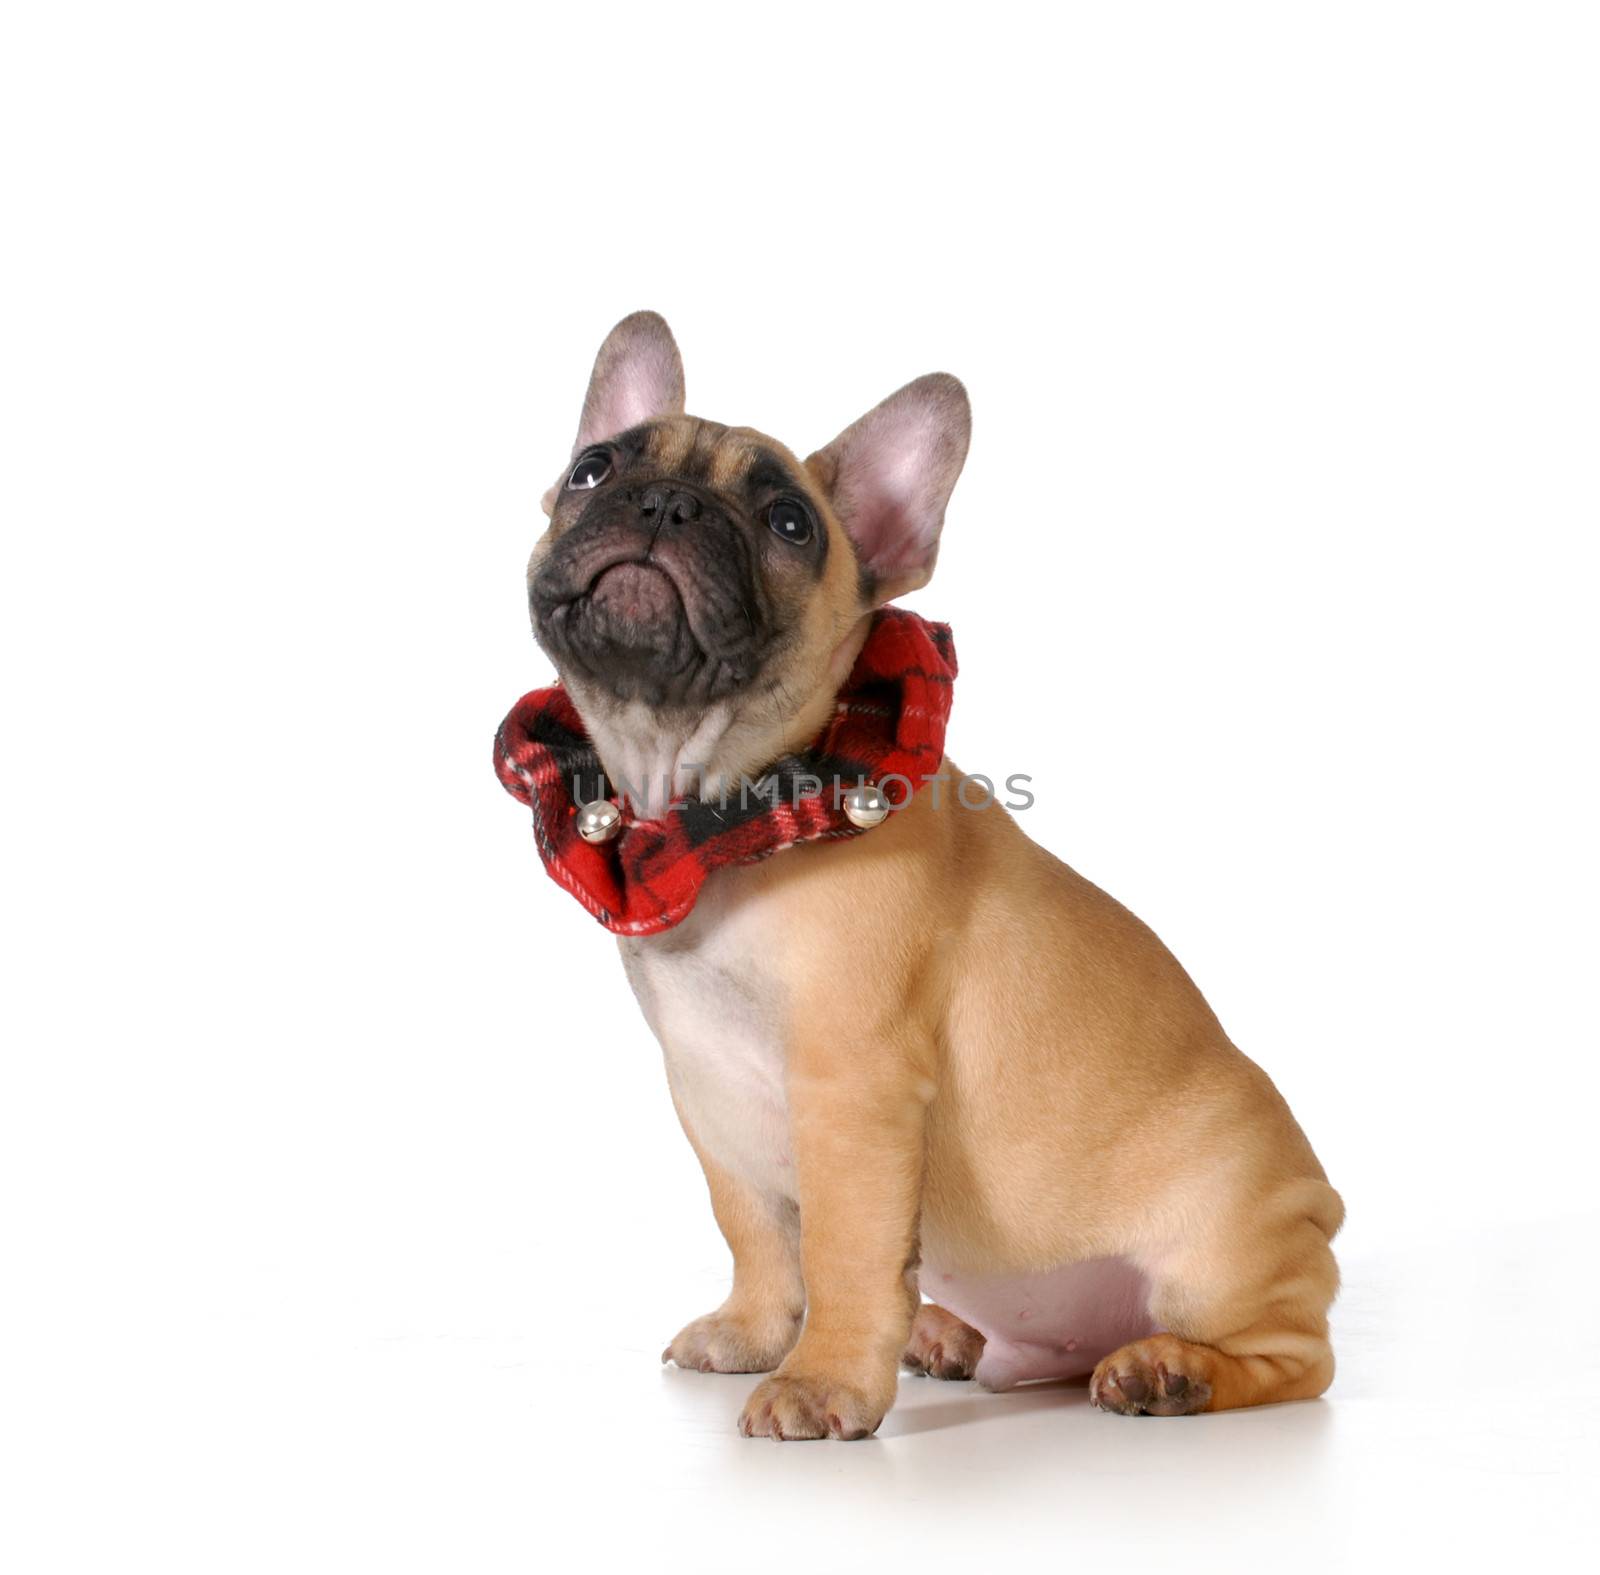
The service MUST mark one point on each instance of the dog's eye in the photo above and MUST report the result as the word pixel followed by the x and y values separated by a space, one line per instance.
pixel 790 521
pixel 590 471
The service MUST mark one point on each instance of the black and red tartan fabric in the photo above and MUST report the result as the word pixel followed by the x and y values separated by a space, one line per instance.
pixel 888 722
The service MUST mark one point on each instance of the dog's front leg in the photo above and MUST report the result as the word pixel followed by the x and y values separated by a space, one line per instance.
pixel 755 1327
pixel 856 1118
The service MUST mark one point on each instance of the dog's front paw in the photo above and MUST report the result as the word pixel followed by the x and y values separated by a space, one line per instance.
pixel 794 1406
pixel 726 1343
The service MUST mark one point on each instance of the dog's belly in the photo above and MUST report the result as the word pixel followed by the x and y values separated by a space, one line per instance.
pixel 1057 1324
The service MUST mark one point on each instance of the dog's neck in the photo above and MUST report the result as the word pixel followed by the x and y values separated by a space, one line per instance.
pixel 652 757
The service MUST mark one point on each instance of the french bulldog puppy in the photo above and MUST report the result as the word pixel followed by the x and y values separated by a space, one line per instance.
pixel 928 1059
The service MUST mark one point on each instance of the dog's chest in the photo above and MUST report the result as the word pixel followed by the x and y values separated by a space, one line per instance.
pixel 718 1008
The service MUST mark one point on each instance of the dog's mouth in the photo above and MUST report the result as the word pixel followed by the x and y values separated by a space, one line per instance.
pixel 649 621
pixel 624 602
pixel 638 593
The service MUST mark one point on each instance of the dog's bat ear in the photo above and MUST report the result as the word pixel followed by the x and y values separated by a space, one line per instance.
pixel 889 476
pixel 637 377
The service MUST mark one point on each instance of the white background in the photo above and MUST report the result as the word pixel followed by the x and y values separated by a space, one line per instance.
pixel 345 1212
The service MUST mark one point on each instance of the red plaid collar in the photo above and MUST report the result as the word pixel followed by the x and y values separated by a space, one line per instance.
pixel 888 721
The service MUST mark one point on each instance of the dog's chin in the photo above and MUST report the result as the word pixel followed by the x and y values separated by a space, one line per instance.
pixel 631 635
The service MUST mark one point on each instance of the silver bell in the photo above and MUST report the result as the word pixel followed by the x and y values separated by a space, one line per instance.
pixel 599 821
pixel 866 806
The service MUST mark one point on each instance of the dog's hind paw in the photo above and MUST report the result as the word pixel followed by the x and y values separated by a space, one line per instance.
pixel 1147 1378
pixel 941 1346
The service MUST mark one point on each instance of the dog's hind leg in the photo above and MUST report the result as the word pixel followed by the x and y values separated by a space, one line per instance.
pixel 1245 1314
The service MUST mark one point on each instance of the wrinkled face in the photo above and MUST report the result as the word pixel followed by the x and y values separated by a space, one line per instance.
pixel 698 573
pixel 681 561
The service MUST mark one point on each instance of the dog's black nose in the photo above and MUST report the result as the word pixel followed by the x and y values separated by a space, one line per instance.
pixel 661 504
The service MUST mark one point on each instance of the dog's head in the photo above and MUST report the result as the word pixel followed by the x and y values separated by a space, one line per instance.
pixel 693 570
